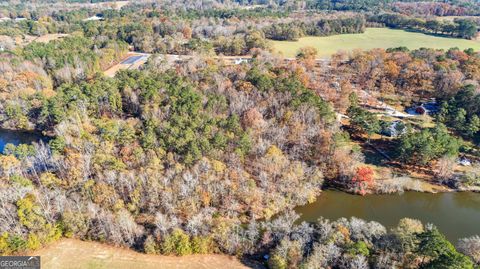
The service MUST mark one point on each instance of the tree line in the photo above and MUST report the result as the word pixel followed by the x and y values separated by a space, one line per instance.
pixel 463 28
pixel 324 27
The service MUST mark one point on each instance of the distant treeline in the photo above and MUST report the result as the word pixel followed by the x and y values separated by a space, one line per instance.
pixel 463 28
pixel 409 7
pixel 352 5
pixel 228 13
pixel 434 9
pixel 322 27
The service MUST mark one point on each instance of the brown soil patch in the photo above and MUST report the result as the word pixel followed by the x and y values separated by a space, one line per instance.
pixel 112 70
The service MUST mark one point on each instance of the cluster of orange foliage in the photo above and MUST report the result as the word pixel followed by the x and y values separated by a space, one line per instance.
pixel 363 179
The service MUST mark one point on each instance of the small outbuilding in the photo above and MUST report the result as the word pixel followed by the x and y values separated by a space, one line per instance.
pixel 465 162
pixel 420 110
pixel 94 18
pixel 431 107
pixel 240 61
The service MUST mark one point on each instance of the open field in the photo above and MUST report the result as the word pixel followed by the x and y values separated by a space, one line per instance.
pixel 49 37
pixel 76 254
pixel 372 38
pixel 111 4
pixel 24 40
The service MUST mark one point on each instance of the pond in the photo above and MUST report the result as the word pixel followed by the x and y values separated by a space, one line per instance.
pixel 17 137
pixel 456 214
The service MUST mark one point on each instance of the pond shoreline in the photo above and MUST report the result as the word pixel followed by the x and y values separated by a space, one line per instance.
pixel 429 187
pixel 424 186
pixel 455 213
pixel 16 137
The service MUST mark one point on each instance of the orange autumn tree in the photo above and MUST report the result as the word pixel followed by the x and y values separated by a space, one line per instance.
pixel 308 56
pixel 363 179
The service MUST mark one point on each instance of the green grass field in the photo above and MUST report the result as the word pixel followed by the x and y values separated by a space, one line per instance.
pixel 372 38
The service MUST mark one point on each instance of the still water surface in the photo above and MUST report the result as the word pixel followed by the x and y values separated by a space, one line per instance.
pixel 16 138
pixel 457 214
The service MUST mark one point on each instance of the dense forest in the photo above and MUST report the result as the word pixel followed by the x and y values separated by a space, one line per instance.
pixel 174 162
pixel 201 156
pixel 323 27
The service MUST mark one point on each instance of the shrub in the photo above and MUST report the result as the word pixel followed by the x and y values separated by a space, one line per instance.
pixel 177 243
pixel 201 245
pixel 150 246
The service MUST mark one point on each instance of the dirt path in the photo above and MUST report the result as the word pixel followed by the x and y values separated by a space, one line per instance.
pixel 76 254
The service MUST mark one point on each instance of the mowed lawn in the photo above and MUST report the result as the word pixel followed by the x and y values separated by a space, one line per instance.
pixel 372 38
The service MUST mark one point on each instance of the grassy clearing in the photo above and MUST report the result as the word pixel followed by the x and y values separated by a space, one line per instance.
pixel 76 254
pixel 112 4
pixel 372 38
pixel 50 37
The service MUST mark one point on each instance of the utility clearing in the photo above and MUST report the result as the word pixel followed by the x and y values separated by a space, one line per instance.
pixel 77 254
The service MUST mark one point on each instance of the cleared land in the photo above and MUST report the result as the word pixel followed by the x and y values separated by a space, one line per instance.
pixel 372 38
pixel 49 37
pixel 23 40
pixel 76 254
pixel 131 61
pixel 111 4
